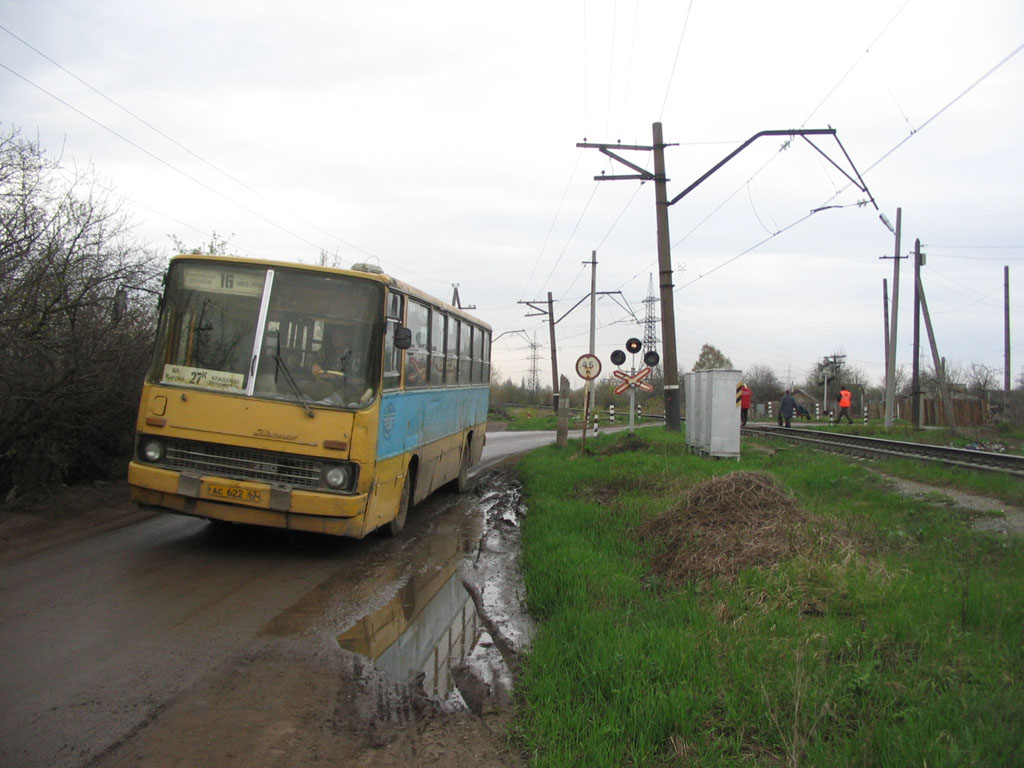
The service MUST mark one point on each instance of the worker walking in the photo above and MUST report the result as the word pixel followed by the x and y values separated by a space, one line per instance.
pixel 786 408
pixel 844 397
pixel 745 394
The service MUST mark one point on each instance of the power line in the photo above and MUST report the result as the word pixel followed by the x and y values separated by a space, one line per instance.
pixel 171 140
pixel 855 64
pixel 955 99
pixel 571 236
pixel 547 237
pixel 160 160
pixel 675 61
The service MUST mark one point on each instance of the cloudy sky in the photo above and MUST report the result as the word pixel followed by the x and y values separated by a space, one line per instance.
pixel 440 140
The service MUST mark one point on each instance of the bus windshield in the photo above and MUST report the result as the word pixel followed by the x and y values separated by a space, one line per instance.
pixel 276 333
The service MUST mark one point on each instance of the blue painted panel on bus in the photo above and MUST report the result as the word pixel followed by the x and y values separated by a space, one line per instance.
pixel 411 419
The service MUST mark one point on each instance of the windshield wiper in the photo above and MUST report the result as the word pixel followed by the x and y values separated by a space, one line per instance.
pixel 292 383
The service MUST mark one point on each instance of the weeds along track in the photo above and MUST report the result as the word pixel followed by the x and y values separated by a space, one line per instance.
pixel 877 447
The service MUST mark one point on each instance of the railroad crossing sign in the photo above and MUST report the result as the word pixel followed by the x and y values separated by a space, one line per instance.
pixel 634 380
pixel 588 367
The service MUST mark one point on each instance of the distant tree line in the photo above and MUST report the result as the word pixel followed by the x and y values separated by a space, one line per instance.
pixel 70 372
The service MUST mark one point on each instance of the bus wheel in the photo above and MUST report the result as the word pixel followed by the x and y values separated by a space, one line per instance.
pixel 398 522
pixel 462 482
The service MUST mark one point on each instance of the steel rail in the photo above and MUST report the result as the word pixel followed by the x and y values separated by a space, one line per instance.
pixel 874 447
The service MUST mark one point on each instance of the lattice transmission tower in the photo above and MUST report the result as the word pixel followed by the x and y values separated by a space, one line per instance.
pixel 534 382
pixel 650 319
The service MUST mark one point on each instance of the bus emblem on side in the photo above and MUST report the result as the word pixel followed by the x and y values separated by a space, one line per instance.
pixel 388 419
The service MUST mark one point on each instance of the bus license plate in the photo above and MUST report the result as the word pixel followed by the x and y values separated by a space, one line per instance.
pixel 255 497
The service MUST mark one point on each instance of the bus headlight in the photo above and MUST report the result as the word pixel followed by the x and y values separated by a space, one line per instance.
pixel 336 477
pixel 151 450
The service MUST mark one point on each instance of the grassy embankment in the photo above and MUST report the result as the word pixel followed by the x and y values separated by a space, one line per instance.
pixel 820 621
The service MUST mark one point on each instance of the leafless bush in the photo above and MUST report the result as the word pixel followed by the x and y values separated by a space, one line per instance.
pixel 70 372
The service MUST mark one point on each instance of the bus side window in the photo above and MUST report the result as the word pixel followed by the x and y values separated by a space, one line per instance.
pixel 486 356
pixel 437 338
pixel 392 355
pixel 451 364
pixel 481 374
pixel 465 353
pixel 417 356
pixel 478 356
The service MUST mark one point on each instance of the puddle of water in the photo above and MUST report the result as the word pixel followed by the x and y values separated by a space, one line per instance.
pixel 428 627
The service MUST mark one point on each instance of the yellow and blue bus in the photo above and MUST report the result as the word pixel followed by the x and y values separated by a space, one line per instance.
pixel 307 398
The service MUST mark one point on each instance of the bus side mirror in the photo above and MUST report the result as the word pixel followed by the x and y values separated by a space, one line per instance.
pixel 403 338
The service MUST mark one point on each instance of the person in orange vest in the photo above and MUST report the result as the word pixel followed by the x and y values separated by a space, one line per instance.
pixel 844 397
pixel 745 394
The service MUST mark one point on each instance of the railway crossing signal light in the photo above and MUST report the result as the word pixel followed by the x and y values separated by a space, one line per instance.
pixel 634 345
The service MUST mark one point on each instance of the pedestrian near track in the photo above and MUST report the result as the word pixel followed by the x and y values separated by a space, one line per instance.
pixel 745 394
pixel 787 407
pixel 844 398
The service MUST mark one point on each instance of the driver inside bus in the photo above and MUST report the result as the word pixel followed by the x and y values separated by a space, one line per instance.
pixel 333 358
pixel 336 369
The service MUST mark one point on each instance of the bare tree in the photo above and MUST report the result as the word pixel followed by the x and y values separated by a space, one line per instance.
pixel 763 382
pixel 981 378
pixel 72 374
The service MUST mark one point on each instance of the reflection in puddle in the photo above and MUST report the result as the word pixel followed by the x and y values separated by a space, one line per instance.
pixel 429 626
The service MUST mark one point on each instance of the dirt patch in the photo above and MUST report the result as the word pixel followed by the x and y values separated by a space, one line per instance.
pixel 627 444
pixel 64 515
pixel 724 525
pixel 986 513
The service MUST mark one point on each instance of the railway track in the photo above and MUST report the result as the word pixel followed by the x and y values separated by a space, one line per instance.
pixel 877 447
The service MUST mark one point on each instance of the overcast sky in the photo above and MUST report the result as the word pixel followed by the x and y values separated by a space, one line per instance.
pixel 440 140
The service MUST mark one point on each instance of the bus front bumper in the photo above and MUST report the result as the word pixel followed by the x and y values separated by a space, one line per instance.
pixel 249 503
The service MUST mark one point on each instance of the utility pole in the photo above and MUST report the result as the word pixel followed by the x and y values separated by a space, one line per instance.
pixel 593 332
pixel 593 297
pixel 885 325
pixel 939 363
pixel 1006 330
pixel 662 203
pixel 554 353
pixel 915 385
pixel 550 312
pixel 668 315
pixel 890 357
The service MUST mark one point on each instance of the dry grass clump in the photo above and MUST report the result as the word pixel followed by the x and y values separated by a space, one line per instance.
pixel 724 525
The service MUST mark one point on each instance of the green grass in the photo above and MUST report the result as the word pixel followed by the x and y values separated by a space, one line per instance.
pixel 895 640
pixel 524 419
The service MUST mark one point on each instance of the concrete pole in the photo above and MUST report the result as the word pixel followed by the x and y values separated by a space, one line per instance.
pixel 1006 329
pixel 593 297
pixel 940 363
pixel 890 358
pixel 562 424
pixel 554 356
pixel 916 371
pixel 593 331
pixel 668 316
pixel 885 325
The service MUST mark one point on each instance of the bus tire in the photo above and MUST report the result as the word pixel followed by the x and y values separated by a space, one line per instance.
pixel 397 523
